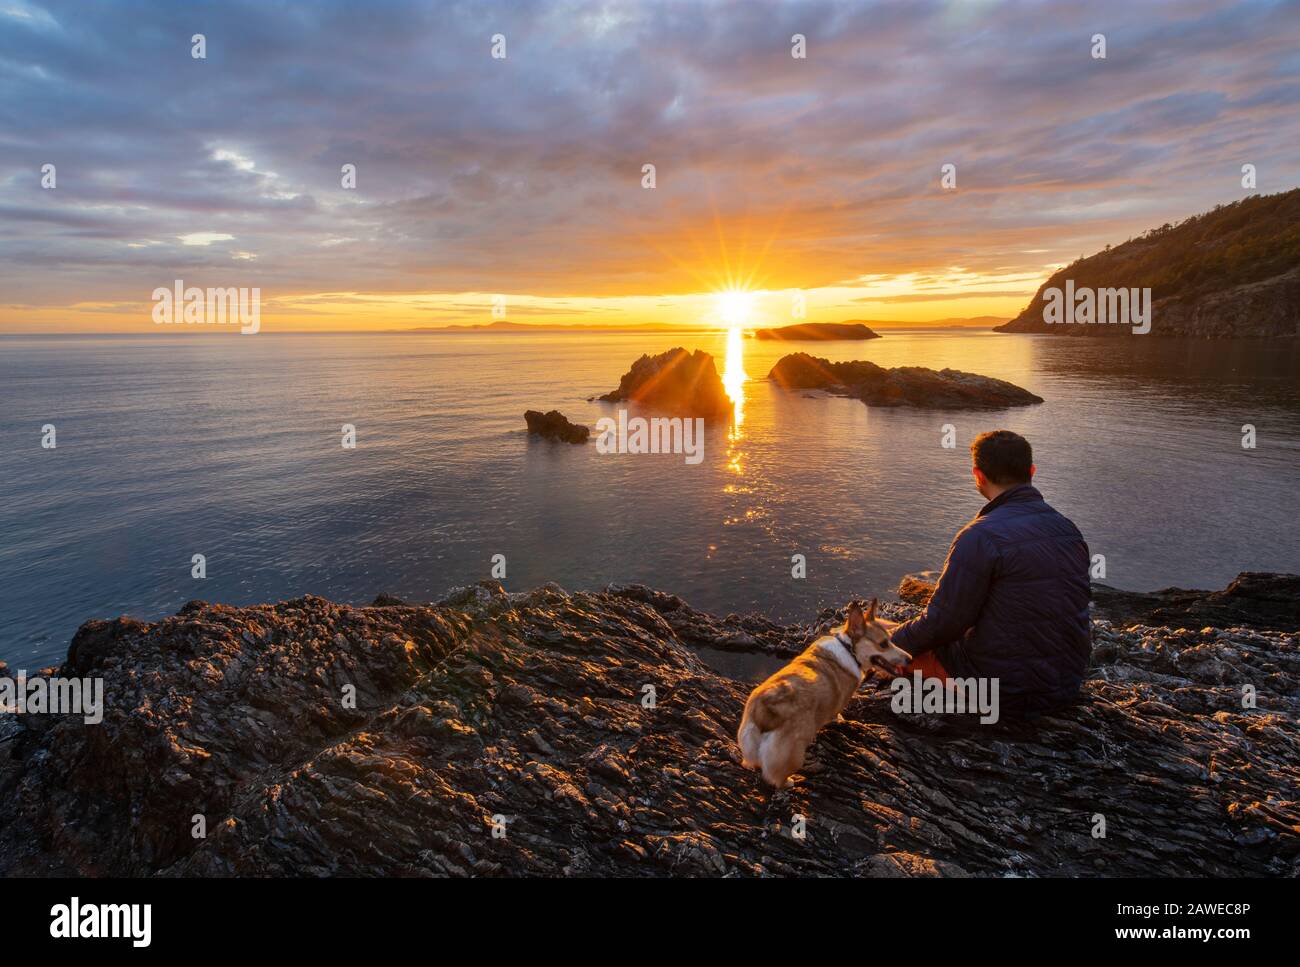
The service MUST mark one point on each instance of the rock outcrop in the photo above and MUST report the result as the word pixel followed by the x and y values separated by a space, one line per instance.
pixel 918 588
pixel 818 332
pixel 548 733
pixel 676 382
pixel 901 386
pixel 556 426
pixel 1254 599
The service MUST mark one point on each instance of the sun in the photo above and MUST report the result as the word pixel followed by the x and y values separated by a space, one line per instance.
pixel 735 306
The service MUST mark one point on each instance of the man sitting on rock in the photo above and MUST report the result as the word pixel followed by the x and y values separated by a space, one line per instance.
pixel 1012 601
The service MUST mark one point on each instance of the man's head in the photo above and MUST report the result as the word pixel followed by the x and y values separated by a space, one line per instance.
pixel 1002 460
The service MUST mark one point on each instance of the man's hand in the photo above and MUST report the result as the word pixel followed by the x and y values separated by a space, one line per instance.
pixel 958 597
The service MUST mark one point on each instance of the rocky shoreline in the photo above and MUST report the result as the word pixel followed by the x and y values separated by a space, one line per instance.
pixel 1253 599
pixel 573 734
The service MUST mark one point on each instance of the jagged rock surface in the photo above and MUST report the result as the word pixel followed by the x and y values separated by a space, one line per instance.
pixel 918 588
pixel 901 386
pixel 533 707
pixel 676 382
pixel 1254 599
pixel 554 425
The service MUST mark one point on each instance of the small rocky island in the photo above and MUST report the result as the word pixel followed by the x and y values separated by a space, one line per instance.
pixel 818 332
pixel 589 731
pixel 554 425
pixel 677 382
pixel 900 386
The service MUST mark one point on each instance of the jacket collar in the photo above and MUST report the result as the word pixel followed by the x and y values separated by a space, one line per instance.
pixel 1018 494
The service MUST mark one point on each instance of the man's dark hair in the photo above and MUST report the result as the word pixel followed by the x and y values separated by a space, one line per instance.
pixel 1002 456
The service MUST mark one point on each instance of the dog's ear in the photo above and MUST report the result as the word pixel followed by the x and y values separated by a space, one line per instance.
pixel 856 625
pixel 871 610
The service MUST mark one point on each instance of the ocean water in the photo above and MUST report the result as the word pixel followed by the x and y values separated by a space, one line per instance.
pixel 229 446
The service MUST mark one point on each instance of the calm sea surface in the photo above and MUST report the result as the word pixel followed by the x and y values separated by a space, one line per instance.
pixel 229 446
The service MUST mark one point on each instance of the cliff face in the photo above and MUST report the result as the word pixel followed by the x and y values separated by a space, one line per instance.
pixel 582 734
pixel 1234 271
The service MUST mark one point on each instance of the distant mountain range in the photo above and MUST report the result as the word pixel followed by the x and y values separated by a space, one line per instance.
pixel 503 325
pixel 952 322
pixel 1233 271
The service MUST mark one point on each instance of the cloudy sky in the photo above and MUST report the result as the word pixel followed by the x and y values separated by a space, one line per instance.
pixel 522 176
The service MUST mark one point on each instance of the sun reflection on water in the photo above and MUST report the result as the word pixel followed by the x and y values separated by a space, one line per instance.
pixel 735 306
pixel 734 376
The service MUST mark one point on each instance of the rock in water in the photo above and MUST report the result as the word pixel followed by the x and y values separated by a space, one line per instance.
pixel 677 382
pixel 802 371
pixel 818 331
pixel 902 386
pixel 918 588
pixel 555 426
pixel 528 715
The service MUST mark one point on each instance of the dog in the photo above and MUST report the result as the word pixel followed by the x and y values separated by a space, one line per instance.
pixel 784 714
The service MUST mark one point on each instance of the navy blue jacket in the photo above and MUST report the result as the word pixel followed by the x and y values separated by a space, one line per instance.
pixel 1012 604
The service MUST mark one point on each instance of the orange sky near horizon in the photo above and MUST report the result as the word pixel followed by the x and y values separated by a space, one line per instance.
pixel 901 299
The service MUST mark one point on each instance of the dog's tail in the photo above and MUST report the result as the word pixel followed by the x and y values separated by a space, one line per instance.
pixel 764 714
pixel 749 739
pixel 774 706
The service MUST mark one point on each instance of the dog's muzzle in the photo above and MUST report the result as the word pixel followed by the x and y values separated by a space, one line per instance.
pixel 885 665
